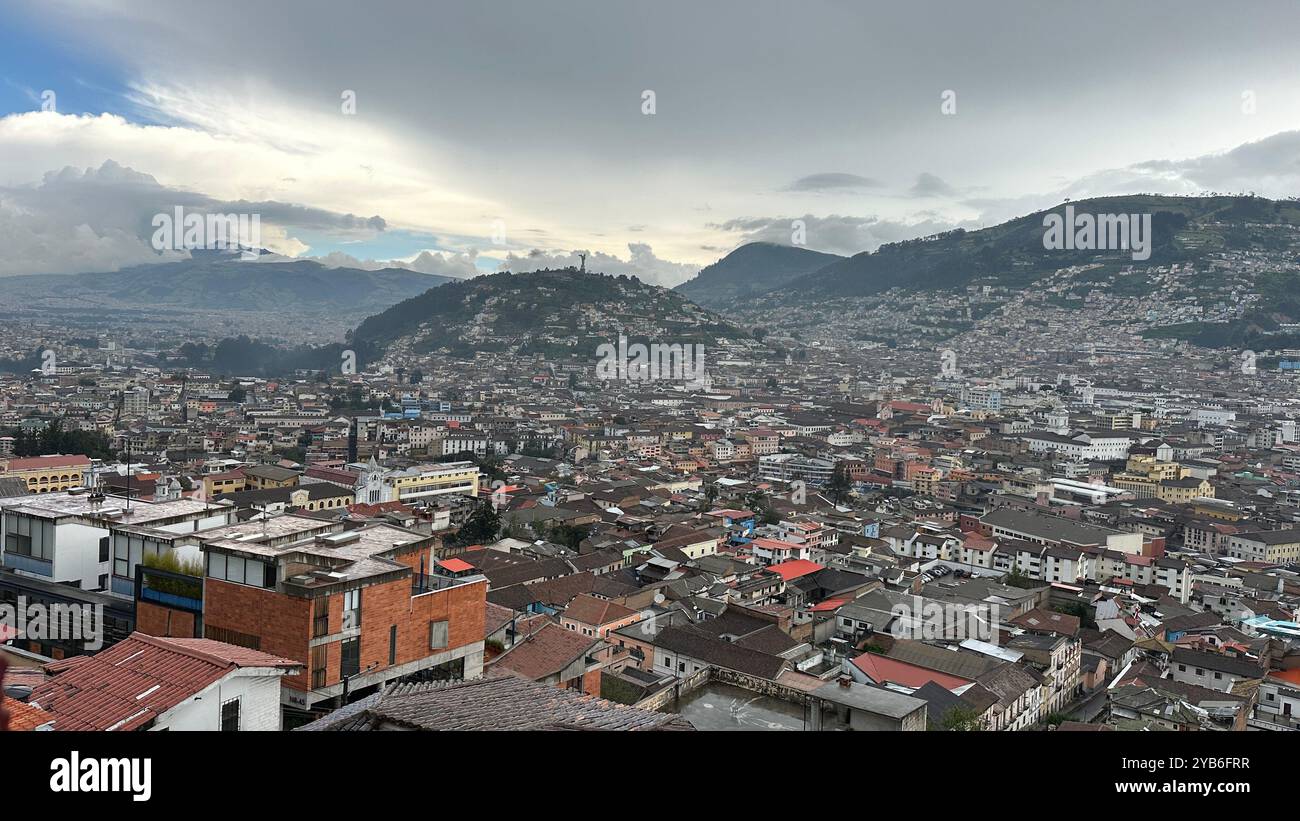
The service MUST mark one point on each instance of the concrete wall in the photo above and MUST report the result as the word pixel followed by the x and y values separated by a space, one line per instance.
pixel 257 689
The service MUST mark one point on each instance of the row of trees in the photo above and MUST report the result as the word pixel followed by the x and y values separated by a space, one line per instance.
pixel 55 439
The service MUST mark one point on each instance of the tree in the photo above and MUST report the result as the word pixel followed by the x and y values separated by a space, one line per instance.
pixel 568 535
pixel 54 439
pixel 1079 610
pixel 1056 718
pixel 710 495
pixel 482 525
pixel 840 484
pixel 959 718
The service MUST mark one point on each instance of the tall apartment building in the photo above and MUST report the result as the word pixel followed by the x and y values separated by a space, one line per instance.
pixel 358 608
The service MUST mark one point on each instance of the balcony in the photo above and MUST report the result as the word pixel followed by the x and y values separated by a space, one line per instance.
pixel 422 583
pixel 426 583
pixel 169 588
pixel 29 564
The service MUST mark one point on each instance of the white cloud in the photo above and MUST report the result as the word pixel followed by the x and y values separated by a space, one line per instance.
pixel 641 263
pixel 441 263
pixel 834 234
pixel 101 219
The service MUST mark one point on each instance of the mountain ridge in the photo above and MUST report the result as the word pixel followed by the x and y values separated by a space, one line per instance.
pixel 216 284
pixel 539 311
pixel 752 269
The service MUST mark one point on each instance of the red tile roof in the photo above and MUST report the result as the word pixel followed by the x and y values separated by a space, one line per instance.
pixel 138 679
pixel 545 653
pixel 25 716
pixel 41 462
pixel 731 513
pixel 794 568
pixel 455 565
pixel 1291 676
pixel 365 509
pixel 774 544
pixel 828 605
pixel 881 669
pixel 595 612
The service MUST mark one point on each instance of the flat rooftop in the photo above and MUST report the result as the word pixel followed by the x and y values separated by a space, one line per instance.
pixel 113 508
pixel 1051 528
pixel 869 699
pixel 270 529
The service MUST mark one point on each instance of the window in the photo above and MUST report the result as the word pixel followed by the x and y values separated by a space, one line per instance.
pixel 26 536
pixel 320 617
pixel 235 569
pixel 350 658
pixel 121 558
pixel 318 656
pixel 103 549
pixel 351 609
pixel 392 645
pixel 230 716
pixel 437 635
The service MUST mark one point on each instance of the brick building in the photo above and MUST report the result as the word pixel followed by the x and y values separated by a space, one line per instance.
pixel 357 607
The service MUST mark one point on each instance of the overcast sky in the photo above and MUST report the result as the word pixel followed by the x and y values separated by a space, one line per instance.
pixel 513 133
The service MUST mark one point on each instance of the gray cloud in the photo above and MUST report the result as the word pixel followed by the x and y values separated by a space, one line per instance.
pixel 845 235
pixel 833 181
pixel 101 219
pixel 929 185
pixel 731 114
pixel 734 123
pixel 1269 167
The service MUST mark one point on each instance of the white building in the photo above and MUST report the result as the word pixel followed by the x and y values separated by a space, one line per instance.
pixel 1081 445
pixel 65 537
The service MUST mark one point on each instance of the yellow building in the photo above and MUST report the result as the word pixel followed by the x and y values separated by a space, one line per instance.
pixel 1149 466
pixel 1219 511
pixel 1142 487
pixel 219 484
pixel 262 477
pixel 46 474
pixel 1183 491
pixel 433 480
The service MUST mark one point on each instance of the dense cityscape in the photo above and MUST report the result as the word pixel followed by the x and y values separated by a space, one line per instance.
pixel 658 377
pixel 870 537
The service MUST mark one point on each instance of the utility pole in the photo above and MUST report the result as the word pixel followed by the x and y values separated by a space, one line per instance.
pixel 128 471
